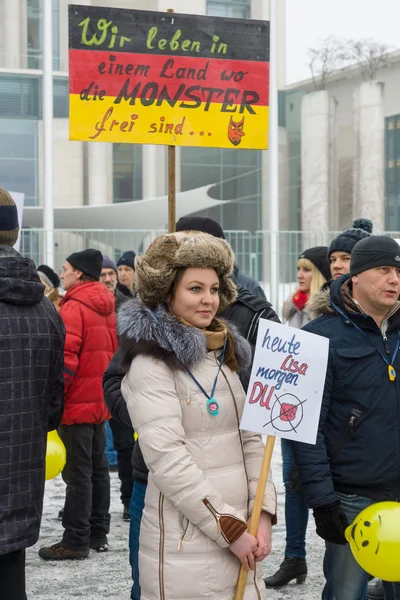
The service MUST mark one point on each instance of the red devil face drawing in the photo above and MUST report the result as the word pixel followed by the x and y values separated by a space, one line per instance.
pixel 235 131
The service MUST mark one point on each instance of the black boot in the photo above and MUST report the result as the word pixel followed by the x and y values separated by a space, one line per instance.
pixel 291 568
pixel 375 590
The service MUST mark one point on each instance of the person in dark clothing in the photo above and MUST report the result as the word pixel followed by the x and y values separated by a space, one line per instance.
pixel 245 313
pixel 126 273
pixel 31 400
pixel 121 435
pixel 355 461
pixel 249 283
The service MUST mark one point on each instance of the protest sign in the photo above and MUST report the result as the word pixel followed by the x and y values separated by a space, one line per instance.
pixel 287 381
pixel 156 78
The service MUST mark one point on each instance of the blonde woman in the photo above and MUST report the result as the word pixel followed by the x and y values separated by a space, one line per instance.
pixel 313 271
pixel 185 400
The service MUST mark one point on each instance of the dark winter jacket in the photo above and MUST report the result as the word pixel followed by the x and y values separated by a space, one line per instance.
pixel 88 313
pixel 249 283
pixel 358 442
pixel 31 396
pixel 244 313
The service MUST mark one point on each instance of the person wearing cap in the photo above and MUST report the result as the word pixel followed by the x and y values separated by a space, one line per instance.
pixel 31 382
pixel 185 401
pixel 356 459
pixel 312 273
pixel 51 282
pixel 126 272
pixel 341 247
pixel 87 310
pixel 120 439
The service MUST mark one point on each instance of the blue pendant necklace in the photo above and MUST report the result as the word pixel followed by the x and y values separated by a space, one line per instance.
pixel 212 404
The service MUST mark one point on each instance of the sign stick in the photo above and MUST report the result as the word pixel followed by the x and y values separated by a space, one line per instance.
pixel 171 181
pixel 258 502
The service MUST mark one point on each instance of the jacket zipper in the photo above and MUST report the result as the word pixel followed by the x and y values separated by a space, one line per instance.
pixel 182 537
pixel 255 582
pixel 215 515
pixel 161 546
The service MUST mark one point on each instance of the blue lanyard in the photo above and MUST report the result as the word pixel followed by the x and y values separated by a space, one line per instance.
pixel 212 404
pixel 221 361
pixel 391 371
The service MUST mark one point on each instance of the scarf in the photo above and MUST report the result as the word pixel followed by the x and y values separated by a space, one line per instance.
pixel 300 299
pixel 215 334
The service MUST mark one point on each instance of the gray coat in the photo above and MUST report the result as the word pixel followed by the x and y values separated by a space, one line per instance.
pixel 293 316
pixel 31 396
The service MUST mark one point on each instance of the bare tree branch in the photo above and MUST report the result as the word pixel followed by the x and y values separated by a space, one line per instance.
pixel 368 54
pixel 325 59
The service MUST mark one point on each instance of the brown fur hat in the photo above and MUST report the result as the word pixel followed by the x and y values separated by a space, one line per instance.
pixel 156 269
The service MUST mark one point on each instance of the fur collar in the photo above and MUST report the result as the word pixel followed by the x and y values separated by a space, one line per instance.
pixel 142 331
pixel 320 303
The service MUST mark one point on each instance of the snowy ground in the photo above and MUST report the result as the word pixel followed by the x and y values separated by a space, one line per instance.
pixel 107 576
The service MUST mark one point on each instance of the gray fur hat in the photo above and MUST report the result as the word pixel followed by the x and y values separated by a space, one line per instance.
pixel 157 268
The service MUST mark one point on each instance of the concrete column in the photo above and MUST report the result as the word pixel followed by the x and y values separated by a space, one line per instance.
pixel 24 34
pixel 284 210
pixel 318 160
pixel 369 180
pixel 12 34
pixel 100 173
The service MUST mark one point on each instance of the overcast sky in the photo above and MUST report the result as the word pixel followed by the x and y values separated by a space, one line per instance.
pixel 311 20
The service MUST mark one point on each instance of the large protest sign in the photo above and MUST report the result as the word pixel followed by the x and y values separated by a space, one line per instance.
pixel 157 78
pixel 287 382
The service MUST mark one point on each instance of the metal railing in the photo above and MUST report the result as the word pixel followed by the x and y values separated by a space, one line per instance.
pixel 251 250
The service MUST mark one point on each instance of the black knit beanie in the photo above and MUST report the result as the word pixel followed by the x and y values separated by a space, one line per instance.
pixel 51 278
pixel 203 224
pixel 345 242
pixel 319 258
pixel 374 251
pixel 127 259
pixel 8 219
pixel 90 262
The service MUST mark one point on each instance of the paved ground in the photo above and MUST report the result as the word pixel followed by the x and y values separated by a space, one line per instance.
pixel 107 576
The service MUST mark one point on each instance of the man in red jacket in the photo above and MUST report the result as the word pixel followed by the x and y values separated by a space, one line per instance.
pixel 87 310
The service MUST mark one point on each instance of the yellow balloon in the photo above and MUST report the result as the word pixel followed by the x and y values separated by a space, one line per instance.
pixel 56 455
pixel 374 538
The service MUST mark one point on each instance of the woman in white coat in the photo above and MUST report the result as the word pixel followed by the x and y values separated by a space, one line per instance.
pixel 185 400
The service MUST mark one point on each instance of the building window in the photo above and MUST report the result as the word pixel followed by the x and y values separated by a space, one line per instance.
pixel 238 9
pixel 127 172
pixel 237 175
pixel 19 158
pixel 35 34
pixel 392 172
pixel 20 96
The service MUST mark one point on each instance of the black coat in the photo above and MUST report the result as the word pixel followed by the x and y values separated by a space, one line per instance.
pixel 358 441
pixel 31 396
pixel 245 313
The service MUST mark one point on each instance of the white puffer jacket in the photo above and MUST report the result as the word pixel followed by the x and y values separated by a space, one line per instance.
pixel 198 463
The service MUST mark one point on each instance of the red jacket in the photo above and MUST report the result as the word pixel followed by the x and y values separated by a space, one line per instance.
pixel 88 313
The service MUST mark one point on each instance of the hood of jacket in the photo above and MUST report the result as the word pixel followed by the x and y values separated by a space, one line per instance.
pixel 142 330
pixel 92 294
pixel 19 282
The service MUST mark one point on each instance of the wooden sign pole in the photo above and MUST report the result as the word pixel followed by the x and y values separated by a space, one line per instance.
pixel 258 502
pixel 171 181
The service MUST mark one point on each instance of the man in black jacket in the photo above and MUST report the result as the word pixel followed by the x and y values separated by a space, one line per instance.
pixel 121 434
pixel 31 400
pixel 245 313
pixel 356 459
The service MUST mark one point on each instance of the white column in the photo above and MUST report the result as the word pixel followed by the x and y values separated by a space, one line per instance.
pixel 318 152
pixel 23 20
pixel 369 180
pixel 12 34
pixel 100 173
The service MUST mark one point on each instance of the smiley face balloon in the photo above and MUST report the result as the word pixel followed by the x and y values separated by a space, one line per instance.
pixel 374 539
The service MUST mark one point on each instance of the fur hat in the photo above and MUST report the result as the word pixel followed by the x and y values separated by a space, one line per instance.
pixel 156 269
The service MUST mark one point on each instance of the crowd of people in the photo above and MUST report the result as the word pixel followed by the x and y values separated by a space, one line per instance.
pixel 160 347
